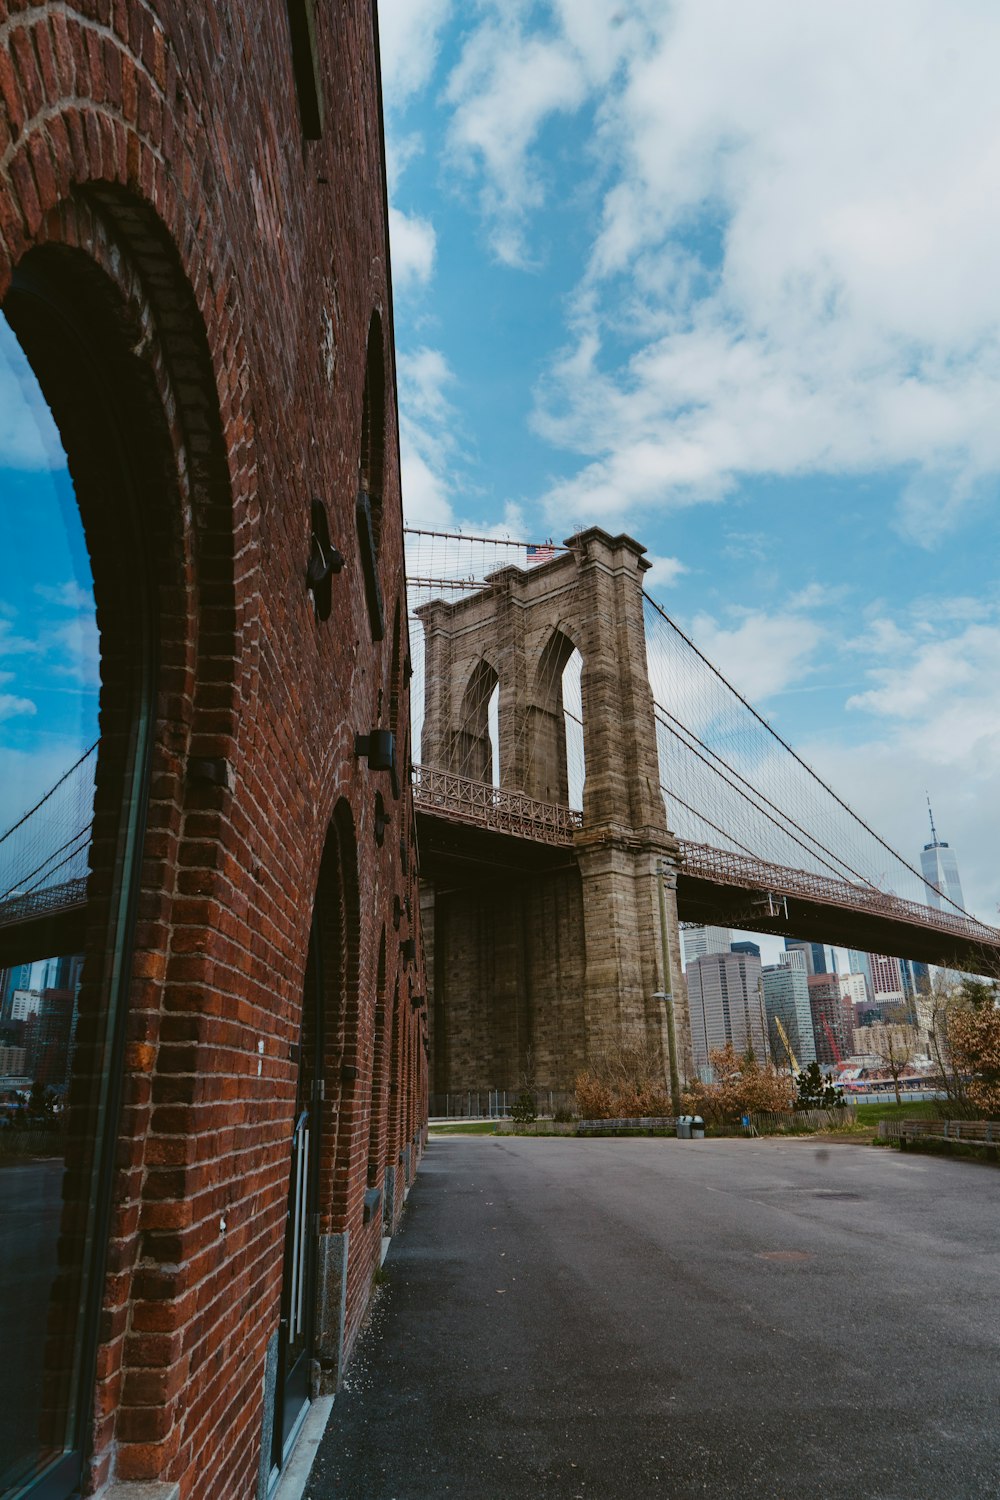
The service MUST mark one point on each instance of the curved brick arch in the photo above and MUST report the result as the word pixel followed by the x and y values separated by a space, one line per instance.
pixel 87 101
pixel 104 256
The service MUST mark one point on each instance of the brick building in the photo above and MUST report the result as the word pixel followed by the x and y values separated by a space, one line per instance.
pixel 199 475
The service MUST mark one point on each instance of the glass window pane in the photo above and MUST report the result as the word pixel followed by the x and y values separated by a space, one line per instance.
pixel 49 688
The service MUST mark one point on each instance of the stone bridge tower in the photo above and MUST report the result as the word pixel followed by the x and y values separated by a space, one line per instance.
pixel 563 961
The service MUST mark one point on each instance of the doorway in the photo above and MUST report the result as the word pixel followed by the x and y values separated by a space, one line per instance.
pixel 298 1290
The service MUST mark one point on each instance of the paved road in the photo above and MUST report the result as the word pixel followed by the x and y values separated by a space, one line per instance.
pixel 631 1318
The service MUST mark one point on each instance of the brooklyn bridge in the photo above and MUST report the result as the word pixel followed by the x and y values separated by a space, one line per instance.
pixel 584 782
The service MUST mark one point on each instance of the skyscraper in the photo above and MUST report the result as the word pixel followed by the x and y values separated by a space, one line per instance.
pixel 816 956
pixel 701 940
pixel 939 868
pixel 860 963
pixel 886 980
pixel 786 998
pixel 725 1003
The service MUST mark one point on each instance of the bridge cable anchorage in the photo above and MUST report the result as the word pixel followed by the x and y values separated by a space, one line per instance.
pixel 664 619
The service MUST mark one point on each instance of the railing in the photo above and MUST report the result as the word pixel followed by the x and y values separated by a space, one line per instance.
pixel 732 869
pixel 983 1132
pixel 467 801
pixel 50 901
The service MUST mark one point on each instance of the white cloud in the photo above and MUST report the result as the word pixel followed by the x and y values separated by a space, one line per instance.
pixel 68 595
pixel 11 706
pixel 426 438
pixel 28 435
pixel 663 572
pixel 409 38
pixel 413 248
pixel 930 720
pixel 794 270
pixel 511 80
pixel 762 654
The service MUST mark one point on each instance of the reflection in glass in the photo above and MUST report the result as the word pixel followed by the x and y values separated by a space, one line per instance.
pixel 49 685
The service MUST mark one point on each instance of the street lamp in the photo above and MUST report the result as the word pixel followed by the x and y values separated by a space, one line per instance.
pixel 665 872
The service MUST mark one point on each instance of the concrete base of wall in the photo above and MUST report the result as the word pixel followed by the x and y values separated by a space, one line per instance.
pixel 141 1489
pixel 295 1474
pixel 331 1309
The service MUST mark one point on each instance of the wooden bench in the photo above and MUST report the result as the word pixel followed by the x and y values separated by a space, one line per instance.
pixel 980 1132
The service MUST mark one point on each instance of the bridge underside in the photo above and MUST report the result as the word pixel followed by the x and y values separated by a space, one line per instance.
pixel 712 903
pixel 454 852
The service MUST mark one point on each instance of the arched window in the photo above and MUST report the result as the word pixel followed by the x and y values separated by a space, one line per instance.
pixel 371 464
pixel 473 745
pixel 377 1099
pixel 554 725
pixel 76 656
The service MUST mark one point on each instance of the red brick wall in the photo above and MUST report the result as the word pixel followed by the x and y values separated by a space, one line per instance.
pixel 162 143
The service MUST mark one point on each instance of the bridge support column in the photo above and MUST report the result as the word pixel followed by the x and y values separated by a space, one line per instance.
pixel 624 948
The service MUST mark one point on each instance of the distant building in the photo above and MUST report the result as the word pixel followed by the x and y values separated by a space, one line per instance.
pixel 745 947
pixel 939 868
pixel 786 998
pixel 832 1017
pixel 816 956
pixel 726 1005
pixel 882 1038
pixel 25 1003
pixel 854 987
pixel 886 980
pixel 49 1036
pixel 16 978
pixel 12 1062
pixel 916 977
pixel 701 940
pixel 793 958
pixel 860 963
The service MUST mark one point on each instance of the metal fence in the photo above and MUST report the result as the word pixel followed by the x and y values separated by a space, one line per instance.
pixel 494 1104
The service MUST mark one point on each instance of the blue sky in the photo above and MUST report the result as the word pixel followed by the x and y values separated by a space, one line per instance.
pixel 48 635
pixel 724 276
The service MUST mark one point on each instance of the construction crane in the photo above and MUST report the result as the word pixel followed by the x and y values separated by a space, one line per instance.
pixel 788 1046
pixel 833 1041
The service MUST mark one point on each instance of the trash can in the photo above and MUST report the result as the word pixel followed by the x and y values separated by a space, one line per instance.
pixel 683 1127
pixel 697 1128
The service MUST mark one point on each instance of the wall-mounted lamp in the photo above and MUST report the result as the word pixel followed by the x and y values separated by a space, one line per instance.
pixel 378 747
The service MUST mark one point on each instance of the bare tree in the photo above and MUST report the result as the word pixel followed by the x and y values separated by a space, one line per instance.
pixel 895 1047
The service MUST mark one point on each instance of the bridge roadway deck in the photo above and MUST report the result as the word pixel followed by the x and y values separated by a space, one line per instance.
pixel 614 1320
pixel 468 830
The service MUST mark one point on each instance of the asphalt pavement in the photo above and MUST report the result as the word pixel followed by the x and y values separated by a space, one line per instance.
pixel 595 1319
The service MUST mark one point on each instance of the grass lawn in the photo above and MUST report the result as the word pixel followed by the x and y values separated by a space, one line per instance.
pixel 923 1109
pixel 464 1127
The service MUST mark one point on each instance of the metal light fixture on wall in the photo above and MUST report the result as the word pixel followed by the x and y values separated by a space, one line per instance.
pixel 378 747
